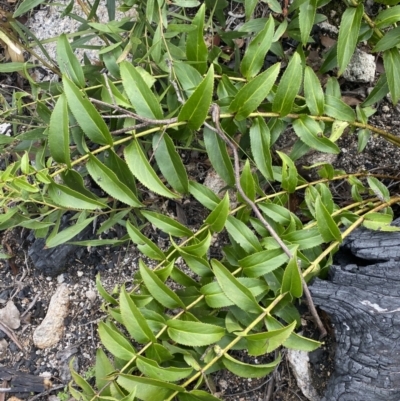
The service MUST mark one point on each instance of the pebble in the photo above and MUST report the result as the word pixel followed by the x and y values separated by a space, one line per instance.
pixel 79 273
pixel 10 315
pixel 385 108
pixel 91 295
pixel 60 278
pixel 50 331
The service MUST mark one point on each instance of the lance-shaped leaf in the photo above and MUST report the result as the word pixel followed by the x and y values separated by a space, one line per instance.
pixel 253 93
pixel 145 245
pixel 170 163
pixel 260 141
pixel 338 109
pixel 310 132
pixel 148 389
pixel 66 197
pixel 313 92
pixel 266 342
pixel 217 218
pixel 326 225
pixel 115 342
pixel 306 19
pixel 348 35
pixel 164 295
pixel 195 334
pixel 104 294
pixel 195 109
pixel 103 368
pixel 152 369
pixel 242 235
pixel 387 17
pixel 253 59
pixel 391 39
pixel 204 195
pixel 291 281
pixel 68 63
pixel 289 173
pixel 247 183
pixel 68 233
pixel 196 48
pixel 234 290
pixel 218 155
pixel 187 76
pixel 143 171
pixel 263 262
pixel 288 86
pixel 166 224
pixel 81 382
pixel 109 182
pixel 197 395
pixel 86 115
pixel 242 369
pixel 391 61
pixel 379 189
pixel 142 98
pixel 133 320
pixel 59 132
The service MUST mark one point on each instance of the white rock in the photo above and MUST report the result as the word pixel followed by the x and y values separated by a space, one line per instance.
pixel 361 68
pixel 299 362
pixel 60 278
pixel 10 315
pixel 50 331
pixel 3 348
pixel 91 295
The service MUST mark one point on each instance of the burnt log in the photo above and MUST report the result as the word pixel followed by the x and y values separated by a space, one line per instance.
pixel 362 298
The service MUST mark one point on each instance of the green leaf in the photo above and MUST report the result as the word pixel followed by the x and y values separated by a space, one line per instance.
pixel 260 141
pixel 154 370
pixel 313 92
pixel 379 91
pixel 242 369
pixel 363 138
pixel 391 61
pixel 164 295
pixel 254 57
pixel 306 19
pixel 326 225
pixel 196 48
pixel 66 197
pixel 68 233
pixel 387 17
pixel 288 87
pixel 310 132
pixel 304 238
pixel 195 109
pixel 81 382
pixel 59 132
pixel 247 183
pixel 217 218
pixel 337 130
pixel 143 171
pixel 253 93
pixel 148 389
pixel 379 189
pixel 266 342
pixel 242 235
pixel 291 281
pixel 115 342
pixel 338 109
pixel 170 163
pixel 197 395
pixel 133 320
pixel 187 75
pixel 263 262
pixel 194 334
pixel 204 195
pixel 142 98
pixel 103 367
pixel 218 155
pixel 25 6
pixel 107 297
pixel 86 115
pixel 249 6
pixel 109 182
pixel 144 245
pixel 234 290
pixel 166 224
pixel 348 35
pixel 391 39
pixel 68 63
pixel 289 173
pixel 15 66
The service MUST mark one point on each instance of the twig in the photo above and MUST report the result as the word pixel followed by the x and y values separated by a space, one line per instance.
pixel 37 396
pixel 10 333
pixel 215 112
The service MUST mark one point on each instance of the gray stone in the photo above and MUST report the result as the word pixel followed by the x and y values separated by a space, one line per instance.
pixel 361 68
pixel 50 331
pixel 10 315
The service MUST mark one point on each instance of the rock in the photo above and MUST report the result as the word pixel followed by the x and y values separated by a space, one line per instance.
pixel 299 363
pixel 361 68
pixel 50 331
pixel 91 295
pixel 3 348
pixel 214 182
pixel 10 315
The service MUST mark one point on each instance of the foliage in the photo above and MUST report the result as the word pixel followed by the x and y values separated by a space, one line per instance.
pixel 94 145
